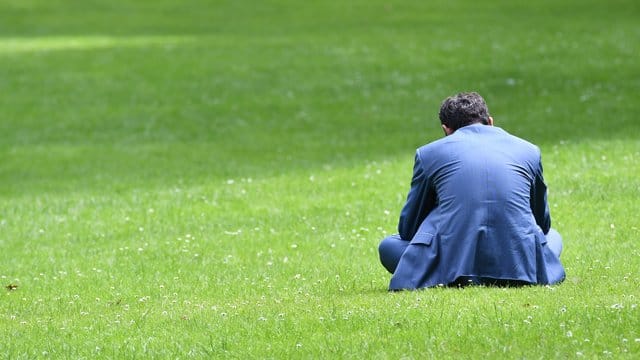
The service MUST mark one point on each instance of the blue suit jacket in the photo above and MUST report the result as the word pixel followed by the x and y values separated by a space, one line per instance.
pixel 477 210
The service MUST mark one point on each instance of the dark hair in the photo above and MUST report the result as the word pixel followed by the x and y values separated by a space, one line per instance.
pixel 463 109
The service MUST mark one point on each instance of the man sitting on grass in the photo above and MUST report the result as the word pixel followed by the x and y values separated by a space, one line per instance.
pixel 477 210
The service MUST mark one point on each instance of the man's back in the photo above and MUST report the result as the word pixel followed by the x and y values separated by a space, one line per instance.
pixel 485 174
pixel 477 209
pixel 480 212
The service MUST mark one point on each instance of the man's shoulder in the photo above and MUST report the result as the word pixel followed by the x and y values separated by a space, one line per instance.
pixel 522 142
pixel 496 132
pixel 434 146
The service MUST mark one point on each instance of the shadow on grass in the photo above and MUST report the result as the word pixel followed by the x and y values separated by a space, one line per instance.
pixel 90 129
pixel 193 93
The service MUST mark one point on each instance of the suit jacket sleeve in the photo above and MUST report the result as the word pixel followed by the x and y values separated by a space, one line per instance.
pixel 420 201
pixel 539 204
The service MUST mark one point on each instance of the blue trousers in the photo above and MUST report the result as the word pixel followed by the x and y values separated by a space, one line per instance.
pixel 392 247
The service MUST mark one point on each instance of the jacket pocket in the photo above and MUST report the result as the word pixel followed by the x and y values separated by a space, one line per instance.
pixel 423 238
pixel 417 267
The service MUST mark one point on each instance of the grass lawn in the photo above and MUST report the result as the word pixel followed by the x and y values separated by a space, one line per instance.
pixel 210 179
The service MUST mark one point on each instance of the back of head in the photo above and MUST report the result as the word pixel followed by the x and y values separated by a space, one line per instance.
pixel 463 109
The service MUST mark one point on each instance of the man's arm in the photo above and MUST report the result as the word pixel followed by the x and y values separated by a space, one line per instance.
pixel 539 204
pixel 420 201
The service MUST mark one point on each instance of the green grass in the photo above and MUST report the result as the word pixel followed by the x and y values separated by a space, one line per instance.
pixel 211 178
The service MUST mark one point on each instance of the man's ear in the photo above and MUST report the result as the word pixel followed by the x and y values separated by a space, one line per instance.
pixel 447 130
pixel 490 122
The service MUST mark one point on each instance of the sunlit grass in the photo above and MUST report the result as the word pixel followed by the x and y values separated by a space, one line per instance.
pixel 18 45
